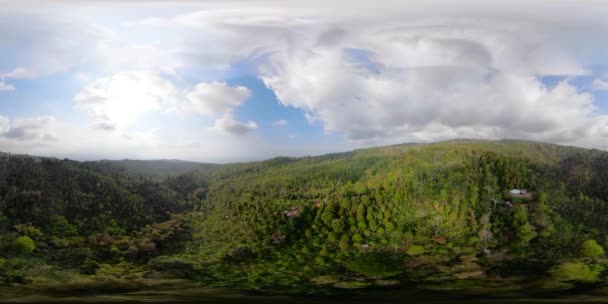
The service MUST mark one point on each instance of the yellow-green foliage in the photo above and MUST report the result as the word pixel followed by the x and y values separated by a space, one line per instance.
pixel 592 249
pixel 576 272
pixel 415 250
pixel 23 245
pixel 374 264
pixel 119 270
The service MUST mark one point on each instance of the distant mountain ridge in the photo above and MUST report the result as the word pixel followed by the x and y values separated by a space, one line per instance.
pixel 158 168
pixel 163 168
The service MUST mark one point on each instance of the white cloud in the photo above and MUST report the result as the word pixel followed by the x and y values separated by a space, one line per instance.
pixel 216 98
pixel 229 125
pixel 82 77
pixel 115 102
pixel 600 85
pixel 38 43
pixel 279 123
pixel 117 55
pixel 4 124
pixel 20 73
pixel 4 87
pixel 30 129
pixel 208 145
pixel 405 105
pixel 408 75
pixel 409 71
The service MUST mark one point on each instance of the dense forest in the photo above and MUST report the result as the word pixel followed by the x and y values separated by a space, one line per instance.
pixel 505 216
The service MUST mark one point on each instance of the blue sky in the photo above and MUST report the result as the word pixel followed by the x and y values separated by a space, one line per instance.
pixel 247 80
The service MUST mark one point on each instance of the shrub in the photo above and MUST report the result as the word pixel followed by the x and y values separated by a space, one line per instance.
pixel 14 270
pixel 415 250
pixel 89 267
pixel 23 245
pixel 592 249
pixel 374 264
pixel 344 243
pixel 119 270
pixel 176 265
pixel 577 272
pixel 72 257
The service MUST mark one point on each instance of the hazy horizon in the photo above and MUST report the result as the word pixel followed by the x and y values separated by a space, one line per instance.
pixel 464 140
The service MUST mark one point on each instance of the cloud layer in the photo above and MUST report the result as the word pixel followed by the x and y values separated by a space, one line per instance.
pixel 216 98
pixel 6 87
pixel 421 79
pixel 228 125
pixel 373 74
pixel 279 123
pixel 32 130
pixel 115 102
pixel 600 84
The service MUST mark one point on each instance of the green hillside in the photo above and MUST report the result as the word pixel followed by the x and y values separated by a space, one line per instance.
pixel 437 216
pixel 156 169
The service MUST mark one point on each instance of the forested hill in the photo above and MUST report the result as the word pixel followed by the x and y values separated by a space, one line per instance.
pixel 156 169
pixel 505 215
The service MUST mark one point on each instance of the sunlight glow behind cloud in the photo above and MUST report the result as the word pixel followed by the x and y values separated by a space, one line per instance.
pixel 115 101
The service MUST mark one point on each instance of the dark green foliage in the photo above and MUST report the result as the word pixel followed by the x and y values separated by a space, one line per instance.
pixel 426 213
pixel 374 264
pixel 431 203
pixel 81 216
pixel 89 266
pixel 154 169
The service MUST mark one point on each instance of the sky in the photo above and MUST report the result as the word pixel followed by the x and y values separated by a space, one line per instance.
pixel 236 80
